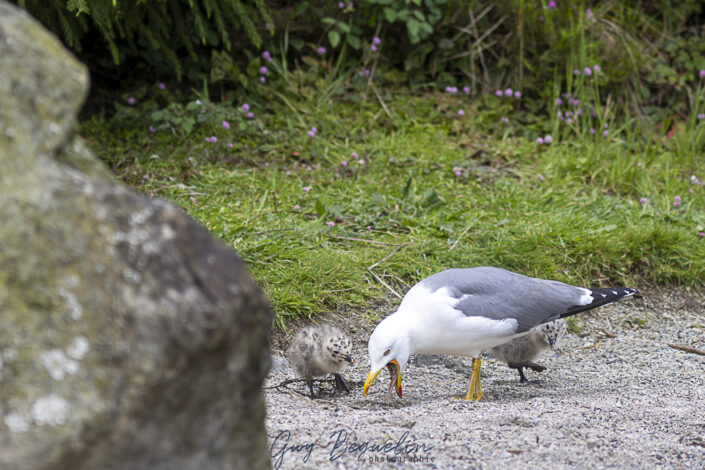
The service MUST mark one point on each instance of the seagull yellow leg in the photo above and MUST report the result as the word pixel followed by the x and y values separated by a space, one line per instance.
pixel 474 389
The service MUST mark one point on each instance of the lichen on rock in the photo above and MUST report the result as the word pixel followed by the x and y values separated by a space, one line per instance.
pixel 129 336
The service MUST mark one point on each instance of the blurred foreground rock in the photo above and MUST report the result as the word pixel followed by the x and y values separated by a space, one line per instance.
pixel 129 337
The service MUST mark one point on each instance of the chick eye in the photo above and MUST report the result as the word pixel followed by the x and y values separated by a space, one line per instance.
pixel 386 353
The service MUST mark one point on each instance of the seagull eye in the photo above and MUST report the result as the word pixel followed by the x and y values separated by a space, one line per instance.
pixel 386 353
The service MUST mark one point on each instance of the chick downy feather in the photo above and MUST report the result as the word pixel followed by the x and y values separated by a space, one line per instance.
pixel 520 352
pixel 320 350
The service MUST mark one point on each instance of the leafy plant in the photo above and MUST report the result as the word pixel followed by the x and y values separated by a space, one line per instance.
pixel 174 30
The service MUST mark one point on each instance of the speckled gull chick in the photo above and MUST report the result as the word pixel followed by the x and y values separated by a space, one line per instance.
pixel 520 352
pixel 320 350
pixel 467 311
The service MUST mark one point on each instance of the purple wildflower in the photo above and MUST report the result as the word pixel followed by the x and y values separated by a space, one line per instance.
pixel 457 171
pixel 701 116
pixel 321 50
pixel 461 112
pixel 267 56
pixel 226 125
pixel 262 79
pixel 508 92
pixel 579 112
pixel 587 71
pixel 588 14
pixel 607 126
pixel 596 68
pixel 162 86
pixel 341 5
pixel 517 94
pixel 702 74
pixel 466 90
pixel 592 130
pixel 576 72
pixel 251 115
pixel 152 129
pixel 297 207
pixel 307 189
pixel 365 72
pixel 330 223
pixel 245 107
pixel 569 120
pixel 548 139
pixel 690 190
pixel 701 234
pixel 504 119
pixel 499 93
pixel 643 200
pixel 376 41
pixel 314 129
pixel 551 5
pixel 350 4
pixel 230 145
pixel 263 70
pixel 559 101
pixel 539 140
pixel 130 100
pixel 311 134
pixel 676 201
pixel 373 48
pixel 605 133
pixel 354 155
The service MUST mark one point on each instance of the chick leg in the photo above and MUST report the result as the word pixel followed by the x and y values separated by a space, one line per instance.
pixel 531 365
pixel 341 384
pixel 535 367
pixel 474 389
pixel 309 382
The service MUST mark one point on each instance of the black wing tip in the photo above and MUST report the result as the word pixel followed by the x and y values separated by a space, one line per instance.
pixel 603 296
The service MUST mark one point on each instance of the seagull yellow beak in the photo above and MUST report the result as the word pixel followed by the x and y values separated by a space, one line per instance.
pixel 373 375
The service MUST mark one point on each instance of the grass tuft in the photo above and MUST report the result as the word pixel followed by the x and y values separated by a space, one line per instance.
pixel 429 190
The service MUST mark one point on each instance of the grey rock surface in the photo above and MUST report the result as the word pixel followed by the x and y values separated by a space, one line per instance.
pixel 129 336
pixel 614 396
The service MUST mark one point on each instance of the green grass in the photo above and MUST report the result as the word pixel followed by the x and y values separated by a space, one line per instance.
pixel 569 211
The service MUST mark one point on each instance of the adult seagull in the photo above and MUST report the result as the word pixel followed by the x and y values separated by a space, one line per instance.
pixel 466 311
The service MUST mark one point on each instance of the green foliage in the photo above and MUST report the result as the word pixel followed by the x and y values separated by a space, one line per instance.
pixel 169 33
pixel 428 190
pixel 418 17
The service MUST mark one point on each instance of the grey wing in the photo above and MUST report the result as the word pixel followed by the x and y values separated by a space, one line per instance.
pixel 499 294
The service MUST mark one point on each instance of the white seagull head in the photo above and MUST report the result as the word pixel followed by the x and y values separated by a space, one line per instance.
pixel 389 346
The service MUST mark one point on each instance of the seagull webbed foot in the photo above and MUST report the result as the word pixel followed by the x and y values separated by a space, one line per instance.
pixel 474 389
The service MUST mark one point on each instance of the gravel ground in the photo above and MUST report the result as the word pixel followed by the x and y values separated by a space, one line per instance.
pixel 614 395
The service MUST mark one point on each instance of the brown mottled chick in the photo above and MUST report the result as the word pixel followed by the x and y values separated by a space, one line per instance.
pixel 520 352
pixel 320 350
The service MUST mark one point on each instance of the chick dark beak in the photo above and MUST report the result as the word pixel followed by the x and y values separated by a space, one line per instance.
pixel 349 359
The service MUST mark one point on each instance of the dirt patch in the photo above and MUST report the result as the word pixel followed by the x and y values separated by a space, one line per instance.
pixel 614 395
